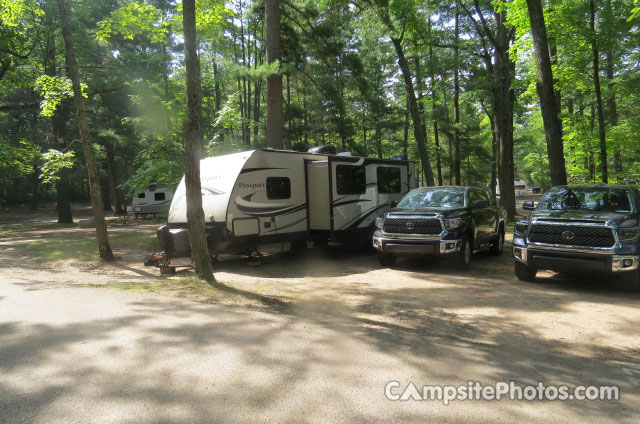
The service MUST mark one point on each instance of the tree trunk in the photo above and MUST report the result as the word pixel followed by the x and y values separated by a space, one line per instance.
pixel 194 144
pixel 113 179
pixel 275 121
pixel 418 127
pixel 405 134
pixel 503 113
pixel 63 197
pixel 218 95
pixel 596 83
pixel 456 104
pixel 548 100
pixel 85 136
pixel 59 129
pixel 613 112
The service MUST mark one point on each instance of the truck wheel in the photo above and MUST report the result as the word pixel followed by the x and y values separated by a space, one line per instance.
pixel 498 244
pixel 466 251
pixel 386 259
pixel 631 280
pixel 524 272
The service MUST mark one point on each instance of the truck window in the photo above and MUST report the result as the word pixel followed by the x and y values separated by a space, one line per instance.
pixel 158 196
pixel 141 195
pixel 278 188
pixel 389 180
pixel 350 179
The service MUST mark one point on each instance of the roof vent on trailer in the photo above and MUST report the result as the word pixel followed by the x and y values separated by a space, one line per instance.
pixel 400 156
pixel 327 149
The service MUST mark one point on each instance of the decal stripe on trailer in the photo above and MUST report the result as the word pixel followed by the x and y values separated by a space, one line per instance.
pixel 247 170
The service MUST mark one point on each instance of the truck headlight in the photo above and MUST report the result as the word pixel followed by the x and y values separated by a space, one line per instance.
pixel 521 228
pixel 625 234
pixel 451 223
pixel 380 222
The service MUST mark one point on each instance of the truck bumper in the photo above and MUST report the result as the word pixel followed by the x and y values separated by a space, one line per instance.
pixel 567 261
pixel 398 246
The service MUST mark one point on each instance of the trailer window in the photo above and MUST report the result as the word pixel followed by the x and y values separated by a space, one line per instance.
pixel 158 196
pixel 389 180
pixel 141 195
pixel 278 188
pixel 350 179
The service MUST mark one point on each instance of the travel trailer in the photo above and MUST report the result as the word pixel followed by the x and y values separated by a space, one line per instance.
pixel 154 200
pixel 269 196
pixel 520 187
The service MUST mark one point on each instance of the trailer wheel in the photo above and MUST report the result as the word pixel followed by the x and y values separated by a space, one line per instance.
pixel 386 259
pixel 298 245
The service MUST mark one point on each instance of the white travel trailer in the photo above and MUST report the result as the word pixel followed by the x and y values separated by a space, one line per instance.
pixel 520 187
pixel 269 196
pixel 153 200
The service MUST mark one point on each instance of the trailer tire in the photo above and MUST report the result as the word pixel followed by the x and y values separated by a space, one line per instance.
pixel 386 259
pixel 298 246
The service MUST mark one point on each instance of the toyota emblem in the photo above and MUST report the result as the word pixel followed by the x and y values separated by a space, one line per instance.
pixel 568 235
pixel 409 226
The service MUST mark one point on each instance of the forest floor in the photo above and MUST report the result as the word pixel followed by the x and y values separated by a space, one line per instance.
pixel 579 324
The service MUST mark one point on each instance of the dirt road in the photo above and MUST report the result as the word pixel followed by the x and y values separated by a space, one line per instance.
pixel 318 339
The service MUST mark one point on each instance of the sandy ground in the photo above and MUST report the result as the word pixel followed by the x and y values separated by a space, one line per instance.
pixel 342 327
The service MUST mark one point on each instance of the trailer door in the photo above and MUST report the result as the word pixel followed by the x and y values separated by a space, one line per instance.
pixel 318 195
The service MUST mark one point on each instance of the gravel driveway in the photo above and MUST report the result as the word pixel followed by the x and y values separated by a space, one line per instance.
pixel 347 328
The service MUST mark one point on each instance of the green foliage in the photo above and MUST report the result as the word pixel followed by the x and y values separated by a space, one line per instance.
pixel 53 161
pixel 135 19
pixel 53 90
pixel 16 13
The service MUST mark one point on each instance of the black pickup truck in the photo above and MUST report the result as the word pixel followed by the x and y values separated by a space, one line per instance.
pixel 586 228
pixel 452 221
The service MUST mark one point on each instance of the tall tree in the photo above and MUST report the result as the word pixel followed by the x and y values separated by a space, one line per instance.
pixel 275 116
pixel 85 136
pixel 546 92
pixel 194 147
pixel 500 37
pixel 602 132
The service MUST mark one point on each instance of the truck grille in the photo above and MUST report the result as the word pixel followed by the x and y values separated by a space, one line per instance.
pixel 571 235
pixel 426 226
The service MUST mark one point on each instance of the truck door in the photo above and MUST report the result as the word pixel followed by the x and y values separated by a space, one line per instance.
pixel 483 215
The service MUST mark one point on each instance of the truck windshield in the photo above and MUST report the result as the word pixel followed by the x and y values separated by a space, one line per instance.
pixel 437 198
pixel 603 199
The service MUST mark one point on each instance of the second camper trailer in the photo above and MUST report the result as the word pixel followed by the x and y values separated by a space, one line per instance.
pixel 268 196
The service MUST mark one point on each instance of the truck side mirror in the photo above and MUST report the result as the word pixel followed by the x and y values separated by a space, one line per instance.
pixel 394 203
pixel 529 205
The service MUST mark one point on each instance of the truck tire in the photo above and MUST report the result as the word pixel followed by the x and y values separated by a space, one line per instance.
pixel 386 259
pixel 631 280
pixel 466 252
pixel 498 245
pixel 524 272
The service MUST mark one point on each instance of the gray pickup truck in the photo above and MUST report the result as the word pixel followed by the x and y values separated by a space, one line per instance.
pixel 586 228
pixel 440 221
